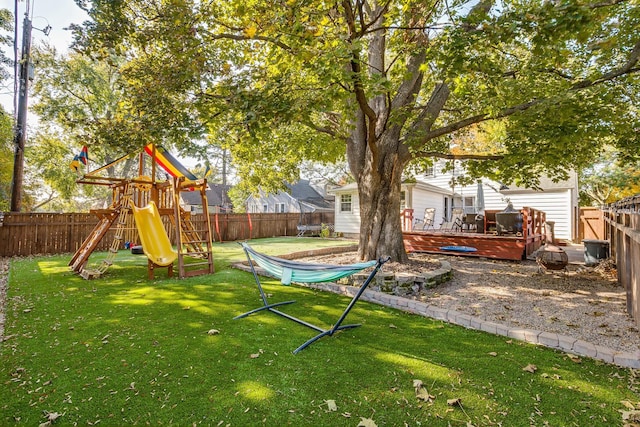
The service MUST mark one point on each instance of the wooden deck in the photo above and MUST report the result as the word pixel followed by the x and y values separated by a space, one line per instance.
pixel 487 245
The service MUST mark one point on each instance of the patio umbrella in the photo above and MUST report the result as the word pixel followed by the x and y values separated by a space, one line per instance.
pixel 480 198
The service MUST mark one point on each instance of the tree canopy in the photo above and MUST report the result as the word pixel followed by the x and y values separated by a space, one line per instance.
pixel 6 121
pixel 390 83
pixel 609 179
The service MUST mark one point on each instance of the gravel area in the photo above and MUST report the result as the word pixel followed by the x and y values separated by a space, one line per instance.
pixel 583 303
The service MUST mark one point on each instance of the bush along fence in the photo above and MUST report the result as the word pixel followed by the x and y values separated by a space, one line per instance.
pixel 24 234
pixel 623 230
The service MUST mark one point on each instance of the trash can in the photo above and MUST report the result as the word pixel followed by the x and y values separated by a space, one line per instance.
pixel 595 251
pixel 480 224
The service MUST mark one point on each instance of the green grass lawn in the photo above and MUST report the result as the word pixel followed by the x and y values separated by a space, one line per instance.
pixel 124 350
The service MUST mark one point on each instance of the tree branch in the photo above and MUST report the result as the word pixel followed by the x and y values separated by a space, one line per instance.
pixel 238 37
pixel 356 71
pixel 452 156
pixel 627 68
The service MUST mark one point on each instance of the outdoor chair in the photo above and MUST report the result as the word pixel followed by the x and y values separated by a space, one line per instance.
pixel 427 221
pixel 456 221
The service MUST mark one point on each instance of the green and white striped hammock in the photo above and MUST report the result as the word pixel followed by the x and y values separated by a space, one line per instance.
pixel 290 271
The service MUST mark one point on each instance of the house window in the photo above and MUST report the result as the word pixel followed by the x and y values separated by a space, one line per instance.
pixel 279 207
pixel 430 171
pixel 403 200
pixel 468 201
pixel 345 203
pixel 265 208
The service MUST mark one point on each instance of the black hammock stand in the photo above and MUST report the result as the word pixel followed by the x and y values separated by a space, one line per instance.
pixel 289 271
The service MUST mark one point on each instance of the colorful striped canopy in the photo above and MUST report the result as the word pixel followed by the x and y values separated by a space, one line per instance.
pixel 169 163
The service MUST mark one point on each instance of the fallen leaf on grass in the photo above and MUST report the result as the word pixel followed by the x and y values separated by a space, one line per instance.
pixel 331 405
pixel 530 368
pixel 454 402
pixel 51 417
pixel 392 326
pixel 493 353
pixel 421 392
pixel 574 358
pixel 628 405
pixel 256 355
pixel 366 422
pixel 630 416
pixel 213 332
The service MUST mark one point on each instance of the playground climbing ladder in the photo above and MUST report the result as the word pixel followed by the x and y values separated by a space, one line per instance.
pixel 194 237
pixel 189 236
pixel 121 213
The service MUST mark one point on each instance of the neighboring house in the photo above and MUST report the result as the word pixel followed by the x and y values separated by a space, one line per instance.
pixel 217 199
pixel 299 197
pixel 558 200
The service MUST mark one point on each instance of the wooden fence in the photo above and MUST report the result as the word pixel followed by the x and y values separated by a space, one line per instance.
pixel 623 231
pixel 23 234
pixel 591 224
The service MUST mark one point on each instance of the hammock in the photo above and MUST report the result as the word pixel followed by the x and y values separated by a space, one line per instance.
pixel 290 271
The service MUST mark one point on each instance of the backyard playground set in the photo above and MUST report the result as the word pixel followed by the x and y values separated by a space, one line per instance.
pixel 150 199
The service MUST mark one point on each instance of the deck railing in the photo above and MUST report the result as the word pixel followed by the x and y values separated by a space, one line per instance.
pixel 623 231
pixel 533 221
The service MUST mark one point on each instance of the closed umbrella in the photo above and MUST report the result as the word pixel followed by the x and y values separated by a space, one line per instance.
pixel 480 199
pixel 480 208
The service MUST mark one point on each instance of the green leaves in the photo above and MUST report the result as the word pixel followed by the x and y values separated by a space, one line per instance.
pixel 281 82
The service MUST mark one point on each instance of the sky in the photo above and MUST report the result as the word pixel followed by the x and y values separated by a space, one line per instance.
pixel 58 14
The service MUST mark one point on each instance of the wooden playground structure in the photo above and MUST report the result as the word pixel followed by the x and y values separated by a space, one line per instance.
pixel 138 207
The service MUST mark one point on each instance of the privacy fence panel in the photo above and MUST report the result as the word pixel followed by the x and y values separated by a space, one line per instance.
pixel 23 234
pixel 591 225
pixel 623 230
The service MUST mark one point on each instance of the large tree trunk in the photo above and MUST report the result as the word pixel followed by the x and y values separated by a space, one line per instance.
pixel 379 194
pixel 376 156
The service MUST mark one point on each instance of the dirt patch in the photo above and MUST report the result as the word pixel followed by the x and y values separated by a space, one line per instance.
pixel 583 303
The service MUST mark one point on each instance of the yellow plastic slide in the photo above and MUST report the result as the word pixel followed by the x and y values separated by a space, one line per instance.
pixel 155 242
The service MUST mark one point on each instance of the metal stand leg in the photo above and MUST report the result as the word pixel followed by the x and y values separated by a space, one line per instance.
pixel 338 325
pixel 266 305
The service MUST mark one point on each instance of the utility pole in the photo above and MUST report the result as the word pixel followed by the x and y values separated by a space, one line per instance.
pixel 21 124
pixel 224 166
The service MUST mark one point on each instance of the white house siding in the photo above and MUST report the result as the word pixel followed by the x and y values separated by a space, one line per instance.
pixel 555 204
pixel 423 199
pixel 348 223
pixel 257 205
pixel 559 204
